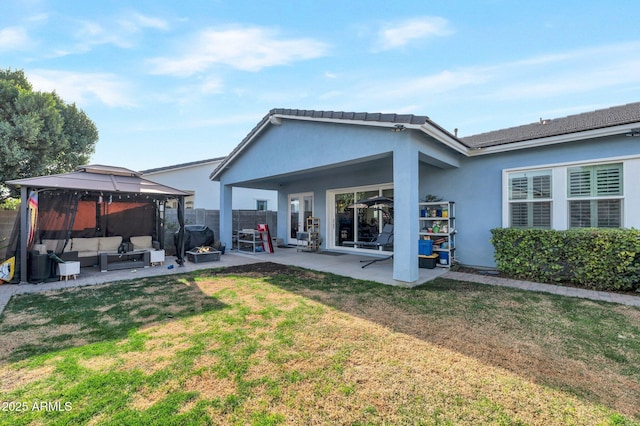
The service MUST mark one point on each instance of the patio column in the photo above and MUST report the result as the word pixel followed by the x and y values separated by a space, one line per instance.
pixel 283 217
pixel 226 215
pixel 405 208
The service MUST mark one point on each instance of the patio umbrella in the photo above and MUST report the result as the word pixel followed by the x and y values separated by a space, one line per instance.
pixel 379 203
pixel 376 202
pixel 358 206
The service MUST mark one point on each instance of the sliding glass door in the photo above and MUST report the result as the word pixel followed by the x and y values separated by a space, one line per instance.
pixel 359 214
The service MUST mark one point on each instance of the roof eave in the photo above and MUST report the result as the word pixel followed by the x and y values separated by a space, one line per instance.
pixel 181 166
pixel 214 176
pixel 444 137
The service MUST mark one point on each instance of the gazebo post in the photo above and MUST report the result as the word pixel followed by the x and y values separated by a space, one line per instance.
pixel 160 227
pixel 24 233
pixel 180 247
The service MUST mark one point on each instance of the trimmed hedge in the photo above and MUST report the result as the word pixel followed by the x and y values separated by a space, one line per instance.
pixel 599 259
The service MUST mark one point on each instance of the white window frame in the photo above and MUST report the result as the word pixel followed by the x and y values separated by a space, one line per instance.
pixel 593 196
pixel 529 200
pixel 560 208
pixel 259 202
pixel 331 217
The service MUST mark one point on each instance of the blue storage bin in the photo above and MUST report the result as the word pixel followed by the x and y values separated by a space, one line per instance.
pixel 444 258
pixel 425 247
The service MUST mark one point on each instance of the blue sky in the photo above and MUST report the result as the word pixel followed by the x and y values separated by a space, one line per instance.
pixel 169 82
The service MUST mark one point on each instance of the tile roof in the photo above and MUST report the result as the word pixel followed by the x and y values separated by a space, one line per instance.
pixel 609 117
pixel 356 116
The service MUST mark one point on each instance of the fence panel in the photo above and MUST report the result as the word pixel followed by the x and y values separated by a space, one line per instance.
pixel 242 219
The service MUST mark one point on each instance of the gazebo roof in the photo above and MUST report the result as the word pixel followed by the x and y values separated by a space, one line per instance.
pixel 100 178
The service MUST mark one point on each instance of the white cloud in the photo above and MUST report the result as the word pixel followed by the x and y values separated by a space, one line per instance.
pixel 137 21
pixel 572 72
pixel 211 86
pixel 538 77
pixel 123 33
pixel 400 34
pixel 41 17
pixel 246 49
pixel 83 88
pixel 13 38
pixel 91 33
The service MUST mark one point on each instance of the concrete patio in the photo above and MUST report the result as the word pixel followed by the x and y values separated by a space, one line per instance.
pixel 338 263
pixel 349 265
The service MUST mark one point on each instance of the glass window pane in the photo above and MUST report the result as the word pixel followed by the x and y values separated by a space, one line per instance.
pixel 518 188
pixel 541 215
pixel 608 180
pixel 595 181
pixel 531 215
pixel 609 213
pixel 345 212
pixel 541 186
pixel 367 219
pixel 579 182
pixel 519 215
pixel 580 214
pixel 295 217
pixel 530 185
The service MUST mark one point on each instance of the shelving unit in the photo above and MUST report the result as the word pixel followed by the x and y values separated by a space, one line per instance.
pixel 250 241
pixel 437 223
pixel 310 239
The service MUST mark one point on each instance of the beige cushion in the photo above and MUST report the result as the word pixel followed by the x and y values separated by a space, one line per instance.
pixel 85 244
pixel 53 245
pixel 87 254
pixel 142 242
pixel 109 243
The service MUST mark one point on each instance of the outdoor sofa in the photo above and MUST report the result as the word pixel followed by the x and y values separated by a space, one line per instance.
pixel 88 250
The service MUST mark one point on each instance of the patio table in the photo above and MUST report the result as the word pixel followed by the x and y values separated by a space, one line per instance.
pixel 131 259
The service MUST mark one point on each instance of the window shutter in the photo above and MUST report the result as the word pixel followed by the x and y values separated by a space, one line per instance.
pixel 580 214
pixel 519 215
pixel 608 180
pixel 519 188
pixel 541 186
pixel 541 215
pixel 609 214
pixel 579 182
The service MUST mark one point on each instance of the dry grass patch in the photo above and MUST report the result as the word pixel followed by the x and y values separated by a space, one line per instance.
pixel 99 363
pixel 12 378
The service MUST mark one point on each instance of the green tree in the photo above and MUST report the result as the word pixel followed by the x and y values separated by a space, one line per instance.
pixel 39 133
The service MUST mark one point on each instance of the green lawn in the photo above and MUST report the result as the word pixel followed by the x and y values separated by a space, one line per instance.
pixel 301 347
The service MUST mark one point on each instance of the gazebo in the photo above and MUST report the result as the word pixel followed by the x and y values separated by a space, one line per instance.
pixel 93 201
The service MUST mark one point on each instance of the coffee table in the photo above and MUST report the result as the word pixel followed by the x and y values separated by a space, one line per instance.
pixel 128 260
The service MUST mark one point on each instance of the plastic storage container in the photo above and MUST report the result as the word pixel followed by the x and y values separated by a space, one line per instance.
pixel 428 262
pixel 425 247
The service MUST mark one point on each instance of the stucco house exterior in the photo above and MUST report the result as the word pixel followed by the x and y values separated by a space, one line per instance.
pixel 193 177
pixel 576 171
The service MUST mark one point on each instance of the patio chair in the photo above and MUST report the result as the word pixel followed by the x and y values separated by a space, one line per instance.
pixel 383 239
